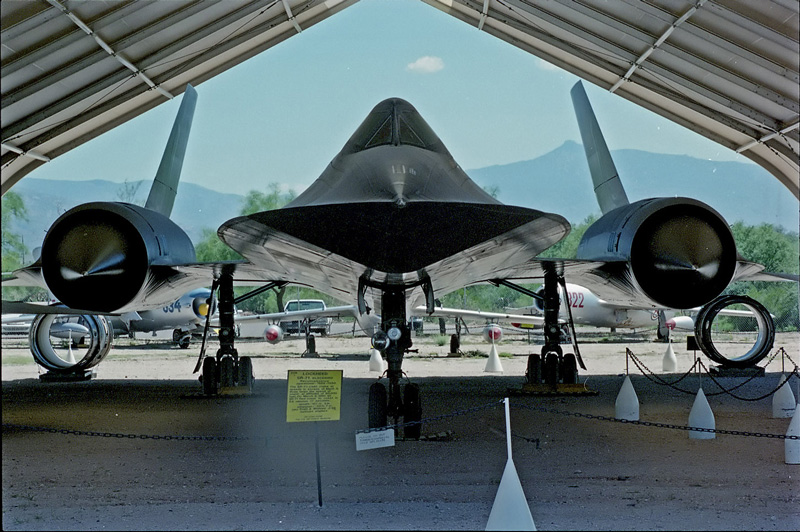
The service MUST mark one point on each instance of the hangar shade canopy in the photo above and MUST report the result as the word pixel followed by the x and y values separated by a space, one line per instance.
pixel 726 69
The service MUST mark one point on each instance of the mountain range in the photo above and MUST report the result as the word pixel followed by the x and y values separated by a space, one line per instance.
pixel 556 182
pixel 559 181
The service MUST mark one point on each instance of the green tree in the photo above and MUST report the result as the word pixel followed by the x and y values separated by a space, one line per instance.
pixel 487 297
pixel 257 201
pixel 14 250
pixel 212 249
pixel 778 250
pixel 567 248
pixel 766 244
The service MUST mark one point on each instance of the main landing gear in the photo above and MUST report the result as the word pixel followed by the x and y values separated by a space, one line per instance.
pixel 552 371
pixel 396 401
pixel 227 373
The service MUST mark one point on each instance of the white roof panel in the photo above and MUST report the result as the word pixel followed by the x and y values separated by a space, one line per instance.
pixel 726 69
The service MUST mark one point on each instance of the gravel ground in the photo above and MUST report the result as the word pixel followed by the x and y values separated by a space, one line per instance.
pixel 577 472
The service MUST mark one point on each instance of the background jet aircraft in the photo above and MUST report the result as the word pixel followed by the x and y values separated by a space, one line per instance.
pixel 585 308
pixel 183 316
pixel 403 224
pixel 77 336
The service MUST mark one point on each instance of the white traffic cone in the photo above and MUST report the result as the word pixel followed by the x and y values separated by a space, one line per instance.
pixel 376 362
pixel 783 401
pixel 792 447
pixel 510 510
pixel 670 363
pixel 70 354
pixel 493 364
pixel 701 417
pixel 627 404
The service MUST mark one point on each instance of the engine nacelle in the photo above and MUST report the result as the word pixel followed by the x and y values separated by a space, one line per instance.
pixel 681 251
pixel 273 334
pixel 492 333
pixel 96 340
pixel 98 256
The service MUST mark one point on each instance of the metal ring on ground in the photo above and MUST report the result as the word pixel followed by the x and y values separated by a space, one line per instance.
pixel 761 347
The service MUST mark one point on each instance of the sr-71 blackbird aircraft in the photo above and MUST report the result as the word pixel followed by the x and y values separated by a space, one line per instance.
pixel 390 224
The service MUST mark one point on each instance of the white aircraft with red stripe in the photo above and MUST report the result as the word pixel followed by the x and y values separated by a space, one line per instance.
pixel 586 308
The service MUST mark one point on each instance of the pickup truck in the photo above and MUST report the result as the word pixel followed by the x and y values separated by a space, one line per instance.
pixel 320 325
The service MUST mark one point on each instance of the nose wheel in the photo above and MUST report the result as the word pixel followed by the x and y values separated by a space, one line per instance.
pixel 378 416
pixel 383 404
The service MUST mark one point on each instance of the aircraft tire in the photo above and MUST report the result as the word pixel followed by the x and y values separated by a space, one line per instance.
pixel 412 411
pixel 227 375
pixel 377 406
pixel 569 369
pixel 534 371
pixel 550 369
pixel 209 376
pixel 246 372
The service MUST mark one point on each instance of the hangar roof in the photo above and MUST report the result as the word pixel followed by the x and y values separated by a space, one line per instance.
pixel 726 69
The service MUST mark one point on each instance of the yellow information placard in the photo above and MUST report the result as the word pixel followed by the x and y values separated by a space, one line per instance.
pixel 314 395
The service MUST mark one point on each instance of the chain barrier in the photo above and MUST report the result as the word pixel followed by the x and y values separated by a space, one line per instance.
pixel 654 424
pixel 653 377
pixel 167 437
pixel 793 373
pixel 637 362
pixel 656 378
pixel 432 419
pixel 30 428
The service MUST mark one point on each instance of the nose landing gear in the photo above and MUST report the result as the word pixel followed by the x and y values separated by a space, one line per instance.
pixel 383 404
pixel 397 402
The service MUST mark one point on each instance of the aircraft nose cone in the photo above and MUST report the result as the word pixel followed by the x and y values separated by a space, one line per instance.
pixel 200 307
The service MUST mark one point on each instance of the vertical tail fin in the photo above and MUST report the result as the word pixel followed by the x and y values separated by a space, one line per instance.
pixel 607 186
pixel 165 185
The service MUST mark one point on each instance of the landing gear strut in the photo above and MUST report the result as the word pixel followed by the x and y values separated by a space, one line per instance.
pixel 552 369
pixel 394 339
pixel 227 372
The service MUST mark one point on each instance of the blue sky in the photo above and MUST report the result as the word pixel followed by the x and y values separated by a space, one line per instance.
pixel 281 116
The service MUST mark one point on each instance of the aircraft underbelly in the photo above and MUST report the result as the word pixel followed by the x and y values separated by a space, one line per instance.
pixel 420 242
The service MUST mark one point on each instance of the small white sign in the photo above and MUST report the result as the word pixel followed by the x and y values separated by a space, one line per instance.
pixel 374 439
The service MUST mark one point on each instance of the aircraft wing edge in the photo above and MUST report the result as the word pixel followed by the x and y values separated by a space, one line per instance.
pixel 464 313
pixel 349 310
pixel 20 307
